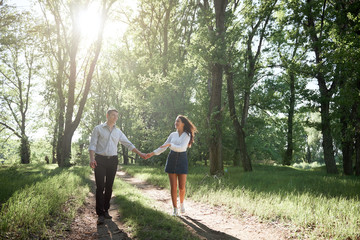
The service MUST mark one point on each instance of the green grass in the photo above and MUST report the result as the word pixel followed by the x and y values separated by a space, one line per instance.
pixel 319 205
pixel 141 220
pixel 38 198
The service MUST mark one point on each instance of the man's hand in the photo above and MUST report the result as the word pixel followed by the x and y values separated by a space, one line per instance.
pixel 149 155
pixel 142 155
pixel 93 164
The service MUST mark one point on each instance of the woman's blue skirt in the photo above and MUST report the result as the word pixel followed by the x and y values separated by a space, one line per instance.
pixel 177 162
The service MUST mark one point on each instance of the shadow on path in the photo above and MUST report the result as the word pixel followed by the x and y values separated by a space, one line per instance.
pixel 204 231
pixel 162 197
pixel 110 230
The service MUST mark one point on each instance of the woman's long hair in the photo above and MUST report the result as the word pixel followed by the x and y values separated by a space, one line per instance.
pixel 189 128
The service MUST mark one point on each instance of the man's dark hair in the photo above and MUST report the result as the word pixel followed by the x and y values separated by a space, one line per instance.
pixel 111 110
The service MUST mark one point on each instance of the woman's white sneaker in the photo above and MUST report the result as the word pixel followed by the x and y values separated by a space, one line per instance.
pixel 182 208
pixel 175 213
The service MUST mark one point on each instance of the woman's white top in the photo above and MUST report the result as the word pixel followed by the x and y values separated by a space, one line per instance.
pixel 178 143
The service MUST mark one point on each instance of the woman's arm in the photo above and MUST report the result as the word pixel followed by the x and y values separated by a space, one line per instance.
pixel 163 147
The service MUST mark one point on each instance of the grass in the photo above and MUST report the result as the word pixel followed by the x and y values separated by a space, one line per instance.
pixel 142 221
pixel 37 198
pixel 310 202
pixel 40 201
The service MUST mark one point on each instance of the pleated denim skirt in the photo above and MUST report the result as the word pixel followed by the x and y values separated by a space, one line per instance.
pixel 177 162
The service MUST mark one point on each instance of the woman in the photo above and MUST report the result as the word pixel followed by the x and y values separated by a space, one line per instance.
pixel 177 162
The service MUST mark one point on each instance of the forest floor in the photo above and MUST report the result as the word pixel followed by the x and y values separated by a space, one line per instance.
pixel 205 221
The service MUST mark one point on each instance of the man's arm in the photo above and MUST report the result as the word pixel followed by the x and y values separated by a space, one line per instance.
pixel 93 163
pixel 142 155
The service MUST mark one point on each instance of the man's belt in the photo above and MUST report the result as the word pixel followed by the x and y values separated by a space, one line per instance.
pixel 102 156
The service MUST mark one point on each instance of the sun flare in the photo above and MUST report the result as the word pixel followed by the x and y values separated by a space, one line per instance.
pixel 89 22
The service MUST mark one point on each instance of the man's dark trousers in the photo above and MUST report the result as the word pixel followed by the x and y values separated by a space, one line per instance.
pixel 105 172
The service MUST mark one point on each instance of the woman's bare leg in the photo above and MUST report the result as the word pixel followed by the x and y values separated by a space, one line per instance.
pixel 182 183
pixel 173 188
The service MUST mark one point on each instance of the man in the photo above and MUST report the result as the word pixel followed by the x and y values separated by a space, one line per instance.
pixel 104 159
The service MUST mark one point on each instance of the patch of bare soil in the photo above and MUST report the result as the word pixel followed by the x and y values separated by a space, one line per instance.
pixel 209 222
pixel 84 225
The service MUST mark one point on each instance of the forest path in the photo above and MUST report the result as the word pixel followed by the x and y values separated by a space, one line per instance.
pixel 84 225
pixel 209 222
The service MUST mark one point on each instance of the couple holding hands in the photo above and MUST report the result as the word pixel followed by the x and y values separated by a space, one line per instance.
pixel 104 159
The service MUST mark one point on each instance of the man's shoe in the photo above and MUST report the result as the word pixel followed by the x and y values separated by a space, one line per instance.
pixel 107 216
pixel 101 220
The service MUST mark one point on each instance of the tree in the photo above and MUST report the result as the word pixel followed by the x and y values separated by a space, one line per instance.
pixel 347 47
pixel 318 24
pixel 288 41
pixel 216 66
pixel 18 67
pixel 255 24
pixel 68 56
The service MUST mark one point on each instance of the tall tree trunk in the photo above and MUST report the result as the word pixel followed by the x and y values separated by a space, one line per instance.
pixel 24 144
pixel 54 142
pixel 258 26
pixel 215 116
pixel 308 153
pixel 357 155
pixel 244 159
pixel 125 155
pixel 165 37
pixel 327 137
pixel 325 93
pixel 289 151
pixel 357 133
pixel 59 150
pixel 347 150
pixel 215 144
pixel 25 150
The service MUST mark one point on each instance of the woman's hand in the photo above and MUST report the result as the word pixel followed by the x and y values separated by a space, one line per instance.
pixel 166 145
pixel 149 155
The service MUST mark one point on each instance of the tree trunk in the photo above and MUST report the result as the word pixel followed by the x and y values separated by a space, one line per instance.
pixel 25 150
pixel 60 133
pixel 347 146
pixel 357 150
pixel 325 93
pixel 240 134
pixel 289 151
pixel 357 135
pixel 215 116
pixel 165 37
pixel 215 144
pixel 54 143
pixel 308 154
pixel 327 137
pixel 125 155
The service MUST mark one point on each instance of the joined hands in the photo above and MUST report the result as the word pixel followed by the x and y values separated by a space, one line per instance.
pixel 149 155
pixel 146 155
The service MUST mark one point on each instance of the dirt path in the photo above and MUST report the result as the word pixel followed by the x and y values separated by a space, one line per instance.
pixel 210 222
pixel 84 225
